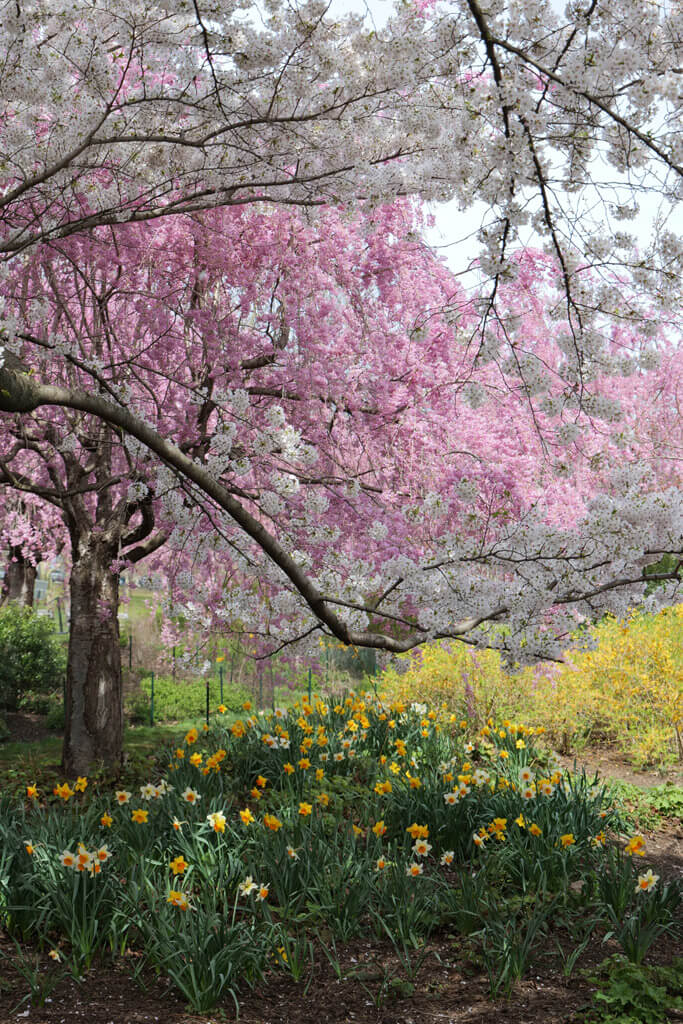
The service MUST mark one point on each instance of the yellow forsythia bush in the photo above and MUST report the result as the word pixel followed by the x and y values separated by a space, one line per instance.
pixel 626 692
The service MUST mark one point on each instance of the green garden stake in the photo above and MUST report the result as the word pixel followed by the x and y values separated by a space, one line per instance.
pixel 260 689
pixel 220 676
pixel 151 703
pixel 59 613
pixel 130 651
pixel 207 701
pixel 309 685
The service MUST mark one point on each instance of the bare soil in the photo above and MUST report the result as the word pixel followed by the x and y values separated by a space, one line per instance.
pixel 448 989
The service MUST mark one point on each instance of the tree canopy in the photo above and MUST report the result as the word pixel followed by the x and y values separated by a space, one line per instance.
pixel 223 337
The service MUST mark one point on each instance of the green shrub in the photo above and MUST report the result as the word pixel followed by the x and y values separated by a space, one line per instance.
pixel 31 657
pixel 38 703
pixel 136 708
pixel 4 730
pixel 56 718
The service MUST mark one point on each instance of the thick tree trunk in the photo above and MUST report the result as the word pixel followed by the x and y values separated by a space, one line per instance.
pixel 94 708
pixel 20 577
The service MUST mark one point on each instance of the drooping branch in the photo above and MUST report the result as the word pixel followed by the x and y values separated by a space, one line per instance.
pixel 20 394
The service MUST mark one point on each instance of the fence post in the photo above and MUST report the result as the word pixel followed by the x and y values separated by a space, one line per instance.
pixel 151 703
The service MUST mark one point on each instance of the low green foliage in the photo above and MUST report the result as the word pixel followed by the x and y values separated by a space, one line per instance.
pixel 176 700
pixel 31 657
pixel 647 809
pixel 634 994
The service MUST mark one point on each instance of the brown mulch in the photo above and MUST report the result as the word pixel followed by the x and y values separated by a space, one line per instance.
pixel 25 727
pixel 447 990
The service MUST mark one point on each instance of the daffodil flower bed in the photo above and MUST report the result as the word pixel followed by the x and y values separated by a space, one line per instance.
pixel 366 815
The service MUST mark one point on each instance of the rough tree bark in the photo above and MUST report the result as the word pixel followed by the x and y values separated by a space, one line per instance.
pixel 20 577
pixel 93 708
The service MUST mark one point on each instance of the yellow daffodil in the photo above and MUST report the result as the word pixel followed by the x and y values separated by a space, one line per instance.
pixel 178 865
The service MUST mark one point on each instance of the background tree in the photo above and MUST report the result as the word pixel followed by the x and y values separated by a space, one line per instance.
pixel 386 479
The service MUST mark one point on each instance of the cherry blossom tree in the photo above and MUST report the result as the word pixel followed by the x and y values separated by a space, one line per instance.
pixel 305 410
pixel 335 478
pixel 560 121
pixel 29 533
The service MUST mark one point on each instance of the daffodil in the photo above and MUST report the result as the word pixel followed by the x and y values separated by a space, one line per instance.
pixel 191 795
pixel 414 869
pixel 246 887
pixel 217 821
pixel 139 816
pixel 635 845
pixel 178 865
pixel 418 831
pixel 647 881
pixel 178 899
